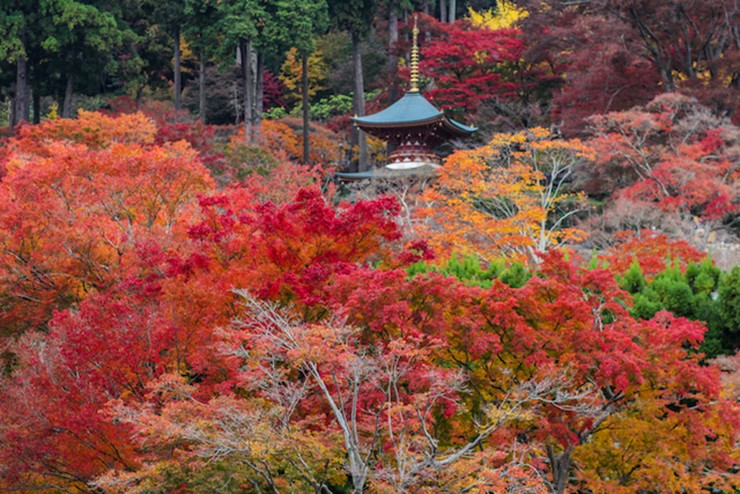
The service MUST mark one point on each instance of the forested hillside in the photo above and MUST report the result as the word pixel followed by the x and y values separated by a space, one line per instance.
pixel 191 300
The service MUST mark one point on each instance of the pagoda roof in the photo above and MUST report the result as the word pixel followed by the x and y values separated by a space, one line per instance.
pixel 411 110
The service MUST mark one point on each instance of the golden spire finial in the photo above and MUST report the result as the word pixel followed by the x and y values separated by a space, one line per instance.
pixel 415 60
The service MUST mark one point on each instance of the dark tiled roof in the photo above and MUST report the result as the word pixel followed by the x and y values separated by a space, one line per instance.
pixel 412 109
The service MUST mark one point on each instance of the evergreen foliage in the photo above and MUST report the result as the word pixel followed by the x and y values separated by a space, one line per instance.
pixel 702 293
pixel 471 271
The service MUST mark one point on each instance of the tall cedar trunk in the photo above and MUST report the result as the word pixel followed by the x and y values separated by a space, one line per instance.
pixel 393 58
pixel 246 53
pixel 426 9
pixel 443 10
pixel 36 105
pixel 68 93
pixel 21 104
pixel 11 107
pixel 453 11
pixel 358 102
pixel 392 41
pixel 178 73
pixel 304 97
pixel 202 87
pixel 259 98
pixel 140 94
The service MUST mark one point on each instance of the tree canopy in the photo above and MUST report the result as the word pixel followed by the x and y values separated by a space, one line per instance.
pixel 193 300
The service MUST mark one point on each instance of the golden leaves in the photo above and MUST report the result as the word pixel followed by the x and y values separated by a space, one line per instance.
pixel 509 198
pixel 505 16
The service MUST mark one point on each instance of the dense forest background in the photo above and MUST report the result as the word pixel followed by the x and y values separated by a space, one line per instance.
pixel 190 301
pixel 545 63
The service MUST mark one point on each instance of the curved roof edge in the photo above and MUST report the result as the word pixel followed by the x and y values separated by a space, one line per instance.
pixel 411 110
pixel 412 107
pixel 364 122
pixel 465 129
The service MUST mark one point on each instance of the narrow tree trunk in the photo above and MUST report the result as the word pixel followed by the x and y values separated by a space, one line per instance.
pixel 661 60
pixel 60 104
pixel 11 107
pixel 442 10
pixel 139 95
pixel 392 23
pixel 259 98
pixel 178 73
pixel 304 97
pixel 202 87
pixel 246 53
pixel 68 94
pixel 453 11
pixel 393 55
pixel 560 467
pixel 358 101
pixel 235 104
pixel 21 103
pixel 669 85
pixel 426 9
pixel 36 106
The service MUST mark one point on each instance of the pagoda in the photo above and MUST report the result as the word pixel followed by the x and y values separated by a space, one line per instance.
pixel 412 126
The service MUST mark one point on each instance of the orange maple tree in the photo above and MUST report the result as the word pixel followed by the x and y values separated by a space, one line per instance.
pixel 175 337
pixel 78 197
pixel 508 198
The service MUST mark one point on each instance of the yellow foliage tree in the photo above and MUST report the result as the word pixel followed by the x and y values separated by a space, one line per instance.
pixel 504 16
pixel 619 459
pixel 291 73
pixel 508 198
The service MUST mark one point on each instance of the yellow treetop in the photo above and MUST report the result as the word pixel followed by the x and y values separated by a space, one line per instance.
pixel 509 198
pixel 504 16
pixel 291 74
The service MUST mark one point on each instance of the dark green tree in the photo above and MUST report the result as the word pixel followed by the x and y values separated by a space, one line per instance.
pixel 299 22
pixel 355 17
pixel 701 293
pixel 20 28
pixel 470 271
pixel 171 16
pixel 145 57
pixel 80 42
pixel 200 29
pixel 633 280
pixel 58 47
pixel 242 23
pixel 728 307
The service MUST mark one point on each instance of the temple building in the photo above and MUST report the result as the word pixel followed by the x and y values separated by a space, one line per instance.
pixel 412 127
